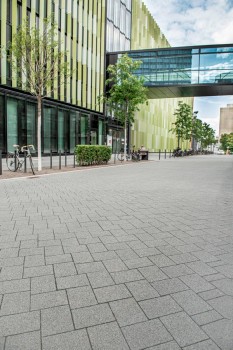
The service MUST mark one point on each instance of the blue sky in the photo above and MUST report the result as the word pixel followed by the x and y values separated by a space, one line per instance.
pixel 197 22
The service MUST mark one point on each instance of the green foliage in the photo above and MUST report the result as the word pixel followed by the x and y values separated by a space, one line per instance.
pixel 226 141
pixel 197 129
pixel 184 122
pixel 207 136
pixel 36 59
pixel 126 91
pixel 92 155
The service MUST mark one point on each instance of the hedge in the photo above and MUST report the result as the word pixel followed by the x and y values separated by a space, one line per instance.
pixel 92 155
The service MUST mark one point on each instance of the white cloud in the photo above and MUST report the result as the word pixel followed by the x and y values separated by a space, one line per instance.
pixel 194 22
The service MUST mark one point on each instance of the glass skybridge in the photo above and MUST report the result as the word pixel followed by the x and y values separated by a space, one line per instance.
pixel 185 71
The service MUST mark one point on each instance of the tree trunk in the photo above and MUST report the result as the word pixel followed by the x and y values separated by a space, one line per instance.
pixel 178 141
pixel 39 103
pixel 125 140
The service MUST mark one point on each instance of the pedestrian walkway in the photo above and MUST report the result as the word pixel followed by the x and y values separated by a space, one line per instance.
pixel 129 257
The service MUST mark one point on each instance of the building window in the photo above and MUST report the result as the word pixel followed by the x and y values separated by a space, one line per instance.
pixel 12 123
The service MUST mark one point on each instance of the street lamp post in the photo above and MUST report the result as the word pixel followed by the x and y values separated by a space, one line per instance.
pixel 193 122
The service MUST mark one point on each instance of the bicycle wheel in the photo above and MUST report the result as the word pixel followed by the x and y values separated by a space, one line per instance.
pixel 12 162
pixel 120 156
pixel 31 165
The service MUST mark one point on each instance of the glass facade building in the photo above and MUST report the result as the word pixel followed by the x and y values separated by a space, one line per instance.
pixel 71 115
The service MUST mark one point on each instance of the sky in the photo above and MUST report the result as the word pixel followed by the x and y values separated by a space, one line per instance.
pixel 197 22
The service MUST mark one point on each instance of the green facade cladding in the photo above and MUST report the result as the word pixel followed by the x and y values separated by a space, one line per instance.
pixel 153 122
pixel 71 114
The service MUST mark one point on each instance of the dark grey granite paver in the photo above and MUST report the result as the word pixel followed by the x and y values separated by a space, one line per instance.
pixel 196 283
pixel 107 337
pixel 191 302
pixel 168 286
pixel 81 297
pixel 72 281
pixel 115 265
pixel 206 317
pixel 146 334
pixel 159 307
pixel 223 305
pixel 225 285
pixel 47 300
pixel 100 279
pixel 183 329
pixel 126 276
pixel 111 293
pixel 152 273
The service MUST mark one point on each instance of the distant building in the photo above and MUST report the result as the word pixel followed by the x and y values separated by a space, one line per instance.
pixel 226 120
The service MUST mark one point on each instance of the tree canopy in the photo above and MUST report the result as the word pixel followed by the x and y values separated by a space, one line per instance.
pixel 226 141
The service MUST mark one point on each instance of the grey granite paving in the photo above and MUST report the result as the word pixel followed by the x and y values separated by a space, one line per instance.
pixel 129 257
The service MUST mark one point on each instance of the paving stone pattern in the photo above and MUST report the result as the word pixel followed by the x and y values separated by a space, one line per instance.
pixel 126 257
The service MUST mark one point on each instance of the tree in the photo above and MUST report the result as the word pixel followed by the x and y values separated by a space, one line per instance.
pixel 208 135
pixel 38 64
pixel 126 91
pixel 226 141
pixel 184 122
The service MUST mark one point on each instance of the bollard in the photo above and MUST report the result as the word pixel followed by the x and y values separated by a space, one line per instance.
pixel 170 155
pixel 65 159
pixel 159 154
pixel 25 161
pixel 51 159
pixel 165 154
pixel 60 160
pixel 15 161
pixel 0 162
pixel 74 161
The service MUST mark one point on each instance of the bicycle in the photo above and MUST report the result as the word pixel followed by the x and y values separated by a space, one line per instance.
pixel 13 160
pixel 134 156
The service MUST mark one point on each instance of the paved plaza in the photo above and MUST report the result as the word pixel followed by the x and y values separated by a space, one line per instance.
pixel 136 256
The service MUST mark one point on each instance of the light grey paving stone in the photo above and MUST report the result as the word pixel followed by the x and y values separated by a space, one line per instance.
pixel 160 306
pixel 11 273
pixel 67 341
pixel 188 248
pixel 92 316
pixel 137 245
pixel 97 248
pixel 15 285
pixel 226 270
pixel 57 259
pixel 204 345
pixel 81 297
pixel 43 284
pixel 168 250
pixel 38 271
pixel 184 330
pixel 100 279
pixel 75 249
pixel 2 343
pixel 211 294
pixel 142 290
pixel 191 302
pixel 196 283
pixel 221 332
pixel 215 277
pixel 31 251
pixel 167 346
pixel 19 323
pixel 65 269
pixel 126 276
pixel 90 267
pixel 72 281
pixel 177 271
pixel 111 293
pixel 146 334
pixel 12 261
pixel 82 257
pixel 206 317
pixel 183 258
pixel 54 250
pixel 205 256
pixel 140 262
pixel 49 242
pixel 15 303
pixel 152 273
pixel 36 260
pixel 107 337
pixel 225 285
pixel 108 239
pixel 46 300
pixel 115 265
pixel 127 254
pixel 105 256
pixel 168 286
pixel 147 252
pixel 223 305
pixel 25 341
pixel 56 320
pixel 127 312
pixel 201 268
pixel 9 252
pixel 161 260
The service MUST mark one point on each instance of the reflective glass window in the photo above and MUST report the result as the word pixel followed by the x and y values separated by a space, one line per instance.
pixel 2 124
pixel 50 129
pixel 61 131
pixel 73 130
pixel 117 13
pixel 83 129
pixel 31 124
pixel 100 132
pixel 216 61
pixel 12 123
